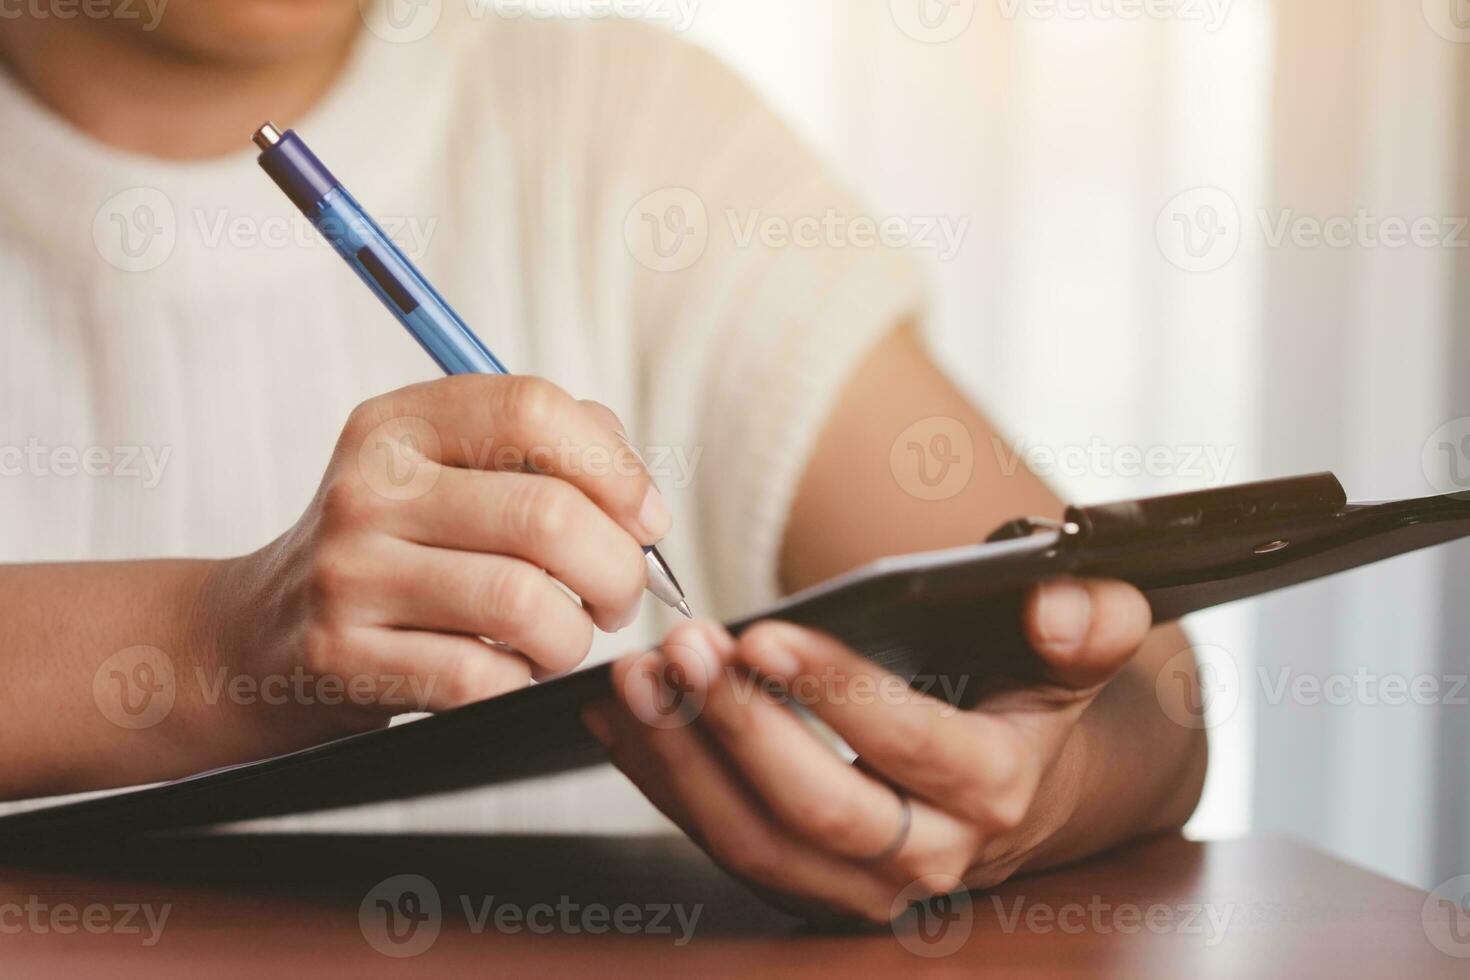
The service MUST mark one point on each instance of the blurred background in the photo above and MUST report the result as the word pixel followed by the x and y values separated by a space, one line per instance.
pixel 1204 242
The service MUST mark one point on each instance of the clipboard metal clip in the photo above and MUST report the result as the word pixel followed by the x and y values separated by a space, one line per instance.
pixel 1226 510
pixel 1026 527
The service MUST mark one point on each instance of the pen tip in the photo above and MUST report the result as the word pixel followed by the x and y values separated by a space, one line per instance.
pixel 683 607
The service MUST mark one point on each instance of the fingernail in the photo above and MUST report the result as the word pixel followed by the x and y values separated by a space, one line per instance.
pixel 697 644
pixel 632 448
pixel 773 659
pixel 597 723
pixel 1065 613
pixel 723 641
pixel 654 517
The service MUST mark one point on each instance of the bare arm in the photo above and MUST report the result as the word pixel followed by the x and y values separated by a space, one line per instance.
pixel 417 544
pixel 1143 771
pixel 62 625
pixel 946 799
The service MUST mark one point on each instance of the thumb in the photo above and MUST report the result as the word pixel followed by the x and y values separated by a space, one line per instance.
pixel 1085 630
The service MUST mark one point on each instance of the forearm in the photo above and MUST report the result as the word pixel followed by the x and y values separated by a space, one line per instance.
pixel 71 721
pixel 1129 769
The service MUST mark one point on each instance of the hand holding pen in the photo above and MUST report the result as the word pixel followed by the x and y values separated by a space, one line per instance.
pixel 420 542
pixel 401 287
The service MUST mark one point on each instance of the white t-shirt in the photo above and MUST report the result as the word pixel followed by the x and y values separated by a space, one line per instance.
pixel 603 203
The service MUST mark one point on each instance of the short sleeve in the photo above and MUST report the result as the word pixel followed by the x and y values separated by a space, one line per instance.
pixel 759 285
pixel 752 282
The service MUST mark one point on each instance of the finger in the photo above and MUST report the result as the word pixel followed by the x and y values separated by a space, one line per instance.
pixel 494 596
pixel 800 780
pixel 606 416
pixel 980 767
pixel 523 422
pixel 610 419
pixel 601 721
pixel 682 775
pixel 545 521
pixel 442 671
pixel 1085 630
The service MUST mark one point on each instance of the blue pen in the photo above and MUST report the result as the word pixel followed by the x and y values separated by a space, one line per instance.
pixel 401 287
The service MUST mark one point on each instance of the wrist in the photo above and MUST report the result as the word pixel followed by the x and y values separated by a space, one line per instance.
pixel 221 626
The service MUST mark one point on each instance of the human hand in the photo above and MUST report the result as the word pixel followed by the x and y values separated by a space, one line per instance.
pixel 943 799
pixel 450 511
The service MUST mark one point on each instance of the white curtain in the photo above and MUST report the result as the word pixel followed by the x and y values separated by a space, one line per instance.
pixel 1138 281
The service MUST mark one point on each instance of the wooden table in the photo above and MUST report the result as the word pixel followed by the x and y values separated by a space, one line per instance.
pixel 294 905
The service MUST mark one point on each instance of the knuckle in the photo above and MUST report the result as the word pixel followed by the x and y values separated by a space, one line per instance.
pixel 1005 769
pixel 324 649
pixel 534 404
pixel 512 594
pixel 467 682
pixel 346 504
pixel 999 791
pixel 828 817
pixel 363 418
pixel 549 513
pixel 329 580
pixel 1005 812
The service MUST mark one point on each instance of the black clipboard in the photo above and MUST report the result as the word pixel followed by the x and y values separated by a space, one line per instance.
pixel 949 616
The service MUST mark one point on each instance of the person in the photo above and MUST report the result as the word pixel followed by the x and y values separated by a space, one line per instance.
pixel 181 363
